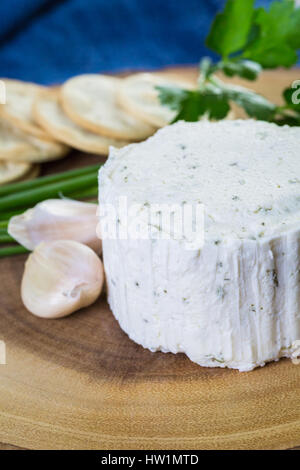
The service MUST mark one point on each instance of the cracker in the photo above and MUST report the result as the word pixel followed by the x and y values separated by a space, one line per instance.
pixel 18 108
pixel 49 114
pixel 18 146
pixel 12 171
pixel 45 150
pixel 91 102
pixel 12 146
pixel 138 96
pixel 32 173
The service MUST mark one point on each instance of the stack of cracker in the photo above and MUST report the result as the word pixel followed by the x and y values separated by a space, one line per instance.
pixel 89 113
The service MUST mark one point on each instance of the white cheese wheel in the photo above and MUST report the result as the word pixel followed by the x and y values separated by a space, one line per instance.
pixel 236 301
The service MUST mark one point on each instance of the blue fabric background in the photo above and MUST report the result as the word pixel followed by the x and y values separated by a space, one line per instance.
pixel 49 40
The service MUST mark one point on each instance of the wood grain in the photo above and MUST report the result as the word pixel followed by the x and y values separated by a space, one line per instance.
pixel 80 383
pixel 10 447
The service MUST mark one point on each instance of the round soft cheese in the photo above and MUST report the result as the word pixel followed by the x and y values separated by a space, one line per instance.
pixel 234 301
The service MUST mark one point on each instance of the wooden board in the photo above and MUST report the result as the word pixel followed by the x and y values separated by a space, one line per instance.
pixel 80 383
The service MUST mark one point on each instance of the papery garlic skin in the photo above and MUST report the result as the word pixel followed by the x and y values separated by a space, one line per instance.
pixel 61 277
pixel 56 219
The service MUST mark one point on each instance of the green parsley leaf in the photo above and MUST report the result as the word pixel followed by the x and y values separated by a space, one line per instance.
pixel 215 103
pixel 190 108
pixel 230 29
pixel 206 68
pixel 248 40
pixel 294 34
pixel 276 35
pixel 255 105
pixel 171 96
pixel 288 120
pixel 243 68
pixel 210 102
pixel 192 104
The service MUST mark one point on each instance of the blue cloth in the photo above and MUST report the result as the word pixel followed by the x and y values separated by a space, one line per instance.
pixel 48 41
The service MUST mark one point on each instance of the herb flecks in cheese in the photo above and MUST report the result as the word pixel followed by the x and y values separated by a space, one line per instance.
pixel 236 301
pixel 254 164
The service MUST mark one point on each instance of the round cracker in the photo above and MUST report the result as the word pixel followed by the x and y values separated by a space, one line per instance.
pixel 138 96
pixel 12 171
pixel 91 102
pixel 17 146
pixel 49 114
pixel 44 150
pixel 32 173
pixel 18 107
pixel 12 146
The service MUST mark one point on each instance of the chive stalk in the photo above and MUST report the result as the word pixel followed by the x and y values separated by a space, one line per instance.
pixel 85 193
pixel 12 250
pixel 5 238
pixel 32 196
pixel 5 216
pixel 16 198
pixel 46 180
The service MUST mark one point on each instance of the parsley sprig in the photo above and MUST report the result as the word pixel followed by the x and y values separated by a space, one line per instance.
pixel 248 39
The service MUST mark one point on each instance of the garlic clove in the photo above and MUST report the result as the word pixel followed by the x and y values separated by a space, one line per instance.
pixel 56 219
pixel 61 277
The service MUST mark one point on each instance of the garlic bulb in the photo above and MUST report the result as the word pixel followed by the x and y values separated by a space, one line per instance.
pixel 56 219
pixel 61 277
